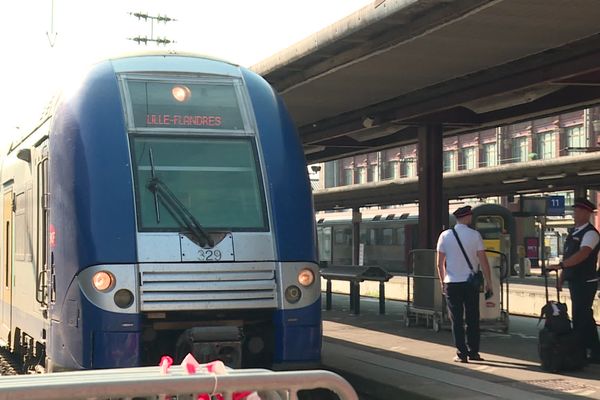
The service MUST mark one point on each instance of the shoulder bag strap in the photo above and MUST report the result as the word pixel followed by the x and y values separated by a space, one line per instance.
pixel 463 250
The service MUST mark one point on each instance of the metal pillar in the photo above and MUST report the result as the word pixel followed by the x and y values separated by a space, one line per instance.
pixel 580 191
pixel 354 286
pixel 382 298
pixel 328 295
pixel 445 213
pixel 431 196
pixel 356 219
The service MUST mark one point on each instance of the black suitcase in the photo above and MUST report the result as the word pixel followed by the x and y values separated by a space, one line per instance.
pixel 560 352
pixel 559 346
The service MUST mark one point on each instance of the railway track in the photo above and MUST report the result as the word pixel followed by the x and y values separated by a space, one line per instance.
pixel 8 365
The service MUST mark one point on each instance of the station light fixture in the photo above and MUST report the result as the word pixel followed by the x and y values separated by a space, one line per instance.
pixel 515 180
pixel 555 176
pixel 587 173
pixel 528 191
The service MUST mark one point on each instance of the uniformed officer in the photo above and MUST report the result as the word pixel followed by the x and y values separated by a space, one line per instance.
pixel 455 269
pixel 579 270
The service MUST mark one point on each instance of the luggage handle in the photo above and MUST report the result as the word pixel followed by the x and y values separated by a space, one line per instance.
pixel 546 285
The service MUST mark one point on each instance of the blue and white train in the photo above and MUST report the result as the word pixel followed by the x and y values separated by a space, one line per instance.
pixel 162 207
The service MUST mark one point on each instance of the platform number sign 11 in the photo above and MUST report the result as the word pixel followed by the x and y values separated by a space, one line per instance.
pixel 555 205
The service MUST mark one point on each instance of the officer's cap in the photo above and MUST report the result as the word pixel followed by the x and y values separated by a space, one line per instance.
pixel 463 212
pixel 582 202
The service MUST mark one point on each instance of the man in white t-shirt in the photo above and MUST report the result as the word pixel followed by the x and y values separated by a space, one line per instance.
pixel 455 267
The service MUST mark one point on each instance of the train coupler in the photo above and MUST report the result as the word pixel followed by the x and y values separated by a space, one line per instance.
pixel 212 343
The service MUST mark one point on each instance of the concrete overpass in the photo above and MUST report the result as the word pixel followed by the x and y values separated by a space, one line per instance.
pixel 368 81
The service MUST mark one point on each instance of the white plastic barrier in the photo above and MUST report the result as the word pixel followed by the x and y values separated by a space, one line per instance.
pixel 147 382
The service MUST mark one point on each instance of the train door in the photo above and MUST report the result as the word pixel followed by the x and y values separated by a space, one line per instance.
pixel 42 270
pixel 7 262
pixel 324 243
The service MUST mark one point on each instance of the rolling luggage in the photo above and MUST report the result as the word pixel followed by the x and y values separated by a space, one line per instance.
pixel 559 346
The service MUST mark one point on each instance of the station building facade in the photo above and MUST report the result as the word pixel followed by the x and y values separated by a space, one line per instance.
pixel 563 135
pixel 546 138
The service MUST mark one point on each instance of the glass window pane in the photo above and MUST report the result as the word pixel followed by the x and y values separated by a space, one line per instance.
pixel 449 161
pixel 361 175
pixel 391 170
pixel 468 158
pixel 546 145
pixel 520 149
pixel 490 155
pixel 372 173
pixel 348 176
pixel 576 139
pixel 217 180
pixel 388 236
pixel 408 168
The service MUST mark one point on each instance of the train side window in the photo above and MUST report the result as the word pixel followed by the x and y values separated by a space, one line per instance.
pixel 400 236
pixel 348 236
pixel 342 236
pixel 490 226
pixel 339 236
pixel 20 227
pixel 372 236
pixel 388 236
pixel 7 271
pixel 325 244
pixel 376 235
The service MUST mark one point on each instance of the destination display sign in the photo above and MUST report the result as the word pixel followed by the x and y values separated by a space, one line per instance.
pixel 177 120
pixel 184 105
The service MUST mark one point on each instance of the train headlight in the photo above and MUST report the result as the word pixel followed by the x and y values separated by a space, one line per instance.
pixel 123 298
pixel 103 281
pixel 293 294
pixel 181 93
pixel 306 277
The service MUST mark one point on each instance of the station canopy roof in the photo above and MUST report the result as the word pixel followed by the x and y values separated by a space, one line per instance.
pixel 366 82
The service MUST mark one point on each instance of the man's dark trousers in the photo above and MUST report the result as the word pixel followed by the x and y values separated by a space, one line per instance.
pixel 463 305
pixel 582 298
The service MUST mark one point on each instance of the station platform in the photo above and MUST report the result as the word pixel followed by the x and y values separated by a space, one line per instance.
pixel 526 295
pixel 384 359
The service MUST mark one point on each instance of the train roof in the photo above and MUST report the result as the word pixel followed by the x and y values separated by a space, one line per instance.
pixel 144 61
pixel 406 217
pixel 169 53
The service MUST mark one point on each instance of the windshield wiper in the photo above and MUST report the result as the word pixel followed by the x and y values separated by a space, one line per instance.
pixel 155 194
pixel 177 208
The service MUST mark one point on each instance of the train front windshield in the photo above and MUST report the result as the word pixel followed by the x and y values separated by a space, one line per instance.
pixel 194 152
pixel 216 180
pixel 490 227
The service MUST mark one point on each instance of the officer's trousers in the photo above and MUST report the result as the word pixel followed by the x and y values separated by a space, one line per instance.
pixel 582 298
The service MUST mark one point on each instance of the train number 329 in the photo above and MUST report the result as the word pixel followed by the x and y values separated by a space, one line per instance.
pixel 209 255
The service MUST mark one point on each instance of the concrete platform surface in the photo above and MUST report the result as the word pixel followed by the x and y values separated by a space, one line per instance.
pixel 385 359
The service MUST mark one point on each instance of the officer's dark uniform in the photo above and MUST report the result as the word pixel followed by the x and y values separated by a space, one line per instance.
pixel 583 284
